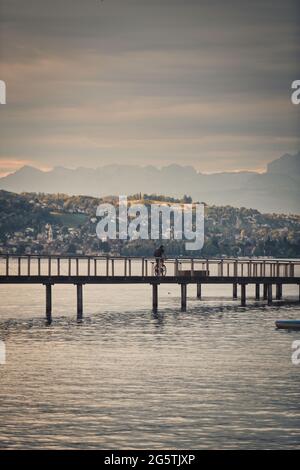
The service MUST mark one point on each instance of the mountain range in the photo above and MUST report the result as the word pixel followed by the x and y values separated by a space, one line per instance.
pixel 277 190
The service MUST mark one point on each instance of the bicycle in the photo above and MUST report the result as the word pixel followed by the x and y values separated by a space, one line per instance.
pixel 160 268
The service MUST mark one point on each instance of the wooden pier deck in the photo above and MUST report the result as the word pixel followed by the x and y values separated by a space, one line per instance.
pixel 81 270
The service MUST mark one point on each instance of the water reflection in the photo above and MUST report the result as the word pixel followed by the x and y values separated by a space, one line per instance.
pixel 213 376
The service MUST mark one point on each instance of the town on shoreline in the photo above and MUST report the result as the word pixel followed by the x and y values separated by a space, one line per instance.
pixel 37 223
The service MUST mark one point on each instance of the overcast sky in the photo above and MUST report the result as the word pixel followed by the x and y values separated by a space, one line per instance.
pixel 204 83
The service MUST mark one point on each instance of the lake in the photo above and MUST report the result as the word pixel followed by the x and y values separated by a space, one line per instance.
pixel 217 376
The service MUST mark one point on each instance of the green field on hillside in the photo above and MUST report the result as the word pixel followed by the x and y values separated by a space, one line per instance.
pixel 69 220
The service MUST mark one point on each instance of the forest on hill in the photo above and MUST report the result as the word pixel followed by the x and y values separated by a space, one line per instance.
pixel 37 223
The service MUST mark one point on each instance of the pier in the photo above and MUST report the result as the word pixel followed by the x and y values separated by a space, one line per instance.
pixel 267 275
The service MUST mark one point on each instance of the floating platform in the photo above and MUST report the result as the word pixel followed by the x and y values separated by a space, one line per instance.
pixel 288 324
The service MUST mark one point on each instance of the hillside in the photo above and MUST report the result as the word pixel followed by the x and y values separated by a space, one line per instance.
pixel 35 223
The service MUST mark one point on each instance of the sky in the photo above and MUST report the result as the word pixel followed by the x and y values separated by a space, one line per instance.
pixel 205 83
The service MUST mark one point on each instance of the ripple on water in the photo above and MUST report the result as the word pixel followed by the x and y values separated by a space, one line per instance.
pixel 217 376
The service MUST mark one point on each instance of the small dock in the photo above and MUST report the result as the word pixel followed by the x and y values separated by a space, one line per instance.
pixel 264 274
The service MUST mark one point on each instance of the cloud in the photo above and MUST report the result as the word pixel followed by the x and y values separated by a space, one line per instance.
pixel 149 82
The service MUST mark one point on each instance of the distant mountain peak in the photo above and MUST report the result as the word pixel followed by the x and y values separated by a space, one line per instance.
pixel 277 190
pixel 28 169
pixel 287 165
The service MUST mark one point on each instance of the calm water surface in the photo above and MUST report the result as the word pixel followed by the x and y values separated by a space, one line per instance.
pixel 217 376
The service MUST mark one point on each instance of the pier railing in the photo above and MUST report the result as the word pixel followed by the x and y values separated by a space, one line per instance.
pixel 109 266
pixel 81 270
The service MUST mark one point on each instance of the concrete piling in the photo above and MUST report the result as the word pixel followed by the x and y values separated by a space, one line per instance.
pixel 79 302
pixel 234 295
pixel 265 291
pixel 243 295
pixel 199 291
pixel 183 297
pixel 49 302
pixel 154 297
pixel 270 294
pixel 278 291
pixel 257 291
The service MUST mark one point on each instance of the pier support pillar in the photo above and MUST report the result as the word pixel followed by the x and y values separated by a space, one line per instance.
pixel 79 302
pixel 234 295
pixel 183 297
pixel 270 294
pixel 278 291
pixel 243 295
pixel 257 291
pixel 265 291
pixel 199 291
pixel 154 297
pixel 49 302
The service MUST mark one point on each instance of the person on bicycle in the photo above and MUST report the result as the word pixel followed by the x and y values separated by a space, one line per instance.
pixel 159 257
